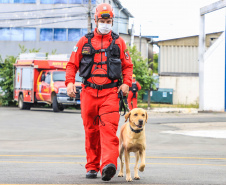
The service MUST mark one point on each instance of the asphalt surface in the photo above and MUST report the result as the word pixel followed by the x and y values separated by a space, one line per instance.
pixel 43 147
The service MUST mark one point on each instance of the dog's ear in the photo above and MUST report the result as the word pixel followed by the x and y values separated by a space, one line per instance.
pixel 127 116
pixel 146 116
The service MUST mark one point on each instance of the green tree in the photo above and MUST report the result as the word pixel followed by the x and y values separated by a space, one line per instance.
pixel 34 50
pixel 142 70
pixel 6 82
pixel 6 76
pixel 155 63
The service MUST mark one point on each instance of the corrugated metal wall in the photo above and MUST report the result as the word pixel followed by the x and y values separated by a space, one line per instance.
pixel 178 59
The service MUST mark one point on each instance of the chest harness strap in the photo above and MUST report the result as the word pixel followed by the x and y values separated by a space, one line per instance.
pixel 109 55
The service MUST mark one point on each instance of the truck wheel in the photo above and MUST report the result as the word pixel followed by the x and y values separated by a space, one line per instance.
pixel 78 106
pixel 22 105
pixel 56 106
pixel 61 108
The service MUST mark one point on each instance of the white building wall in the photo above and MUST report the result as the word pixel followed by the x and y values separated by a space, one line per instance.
pixel 179 59
pixel 214 76
pixel 186 89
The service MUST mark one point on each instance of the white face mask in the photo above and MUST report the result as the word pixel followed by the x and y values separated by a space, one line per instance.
pixel 104 28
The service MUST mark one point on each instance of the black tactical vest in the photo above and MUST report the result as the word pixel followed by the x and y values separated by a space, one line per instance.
pixel 114 68
pixel 134 87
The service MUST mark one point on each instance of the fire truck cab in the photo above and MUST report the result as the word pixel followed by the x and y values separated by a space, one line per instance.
pixel 41 80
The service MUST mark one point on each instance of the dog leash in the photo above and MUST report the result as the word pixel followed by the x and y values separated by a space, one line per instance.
pixel 99 116
pixel 122 103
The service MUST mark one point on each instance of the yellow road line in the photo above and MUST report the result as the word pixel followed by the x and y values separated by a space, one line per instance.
pixel 42 162
pixel 186 158
pixel 82 156
pixel 29 162
pixel 77 156
pixel 65 184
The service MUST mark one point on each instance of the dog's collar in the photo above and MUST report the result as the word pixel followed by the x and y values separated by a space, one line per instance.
pixel 136 131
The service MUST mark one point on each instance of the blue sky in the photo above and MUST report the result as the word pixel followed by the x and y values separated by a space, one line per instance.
pixel 172 18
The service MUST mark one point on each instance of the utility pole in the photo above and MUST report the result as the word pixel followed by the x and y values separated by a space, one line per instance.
pixel 89 17
pixel 132 36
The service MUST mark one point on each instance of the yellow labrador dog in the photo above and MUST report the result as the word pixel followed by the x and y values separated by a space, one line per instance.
pixel 132 139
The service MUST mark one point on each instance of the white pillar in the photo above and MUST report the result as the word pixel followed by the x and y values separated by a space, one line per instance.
pixel 202 47
pixel 225 68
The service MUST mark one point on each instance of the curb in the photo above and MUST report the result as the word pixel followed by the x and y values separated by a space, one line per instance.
pixel 174 110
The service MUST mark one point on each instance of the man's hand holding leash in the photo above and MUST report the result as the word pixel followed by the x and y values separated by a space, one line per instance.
pixel 124 88
pixel 71 90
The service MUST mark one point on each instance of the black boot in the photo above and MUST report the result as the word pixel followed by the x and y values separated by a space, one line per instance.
pixel 92 174
pixel 108 172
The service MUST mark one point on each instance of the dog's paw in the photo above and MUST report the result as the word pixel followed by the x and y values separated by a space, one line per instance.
pixel 137 178
pixel 120 174
pixel 141 169
pixel 129 179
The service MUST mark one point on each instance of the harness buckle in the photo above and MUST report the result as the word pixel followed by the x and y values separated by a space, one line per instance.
pixel 100 87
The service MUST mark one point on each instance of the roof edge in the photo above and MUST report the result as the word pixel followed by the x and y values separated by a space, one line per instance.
pixel 189 36
pixel 125 10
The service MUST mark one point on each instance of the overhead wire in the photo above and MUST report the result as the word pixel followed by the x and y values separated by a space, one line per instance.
pixel 33 18
pixel 39 24
pixel 34 10
pixel 65 16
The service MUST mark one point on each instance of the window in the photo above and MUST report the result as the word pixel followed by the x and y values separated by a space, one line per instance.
pixel 4 1
pixel 43 76
pixel 17 1
pixel 60 1
pixel 5 33
pixel 29 1
pixel 87 1
pixel 46 34
pixel 84 31
pixel 60 34
pixel 16 34
pixel 59 76
pixel 48 78
pixel 29 34
pixel 74 34
pixel 46 1
pixel 75 2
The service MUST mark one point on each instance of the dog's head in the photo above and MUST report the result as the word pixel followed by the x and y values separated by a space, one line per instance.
pixel 137 118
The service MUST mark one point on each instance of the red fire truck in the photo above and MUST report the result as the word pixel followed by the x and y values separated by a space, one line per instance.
pixel 40 80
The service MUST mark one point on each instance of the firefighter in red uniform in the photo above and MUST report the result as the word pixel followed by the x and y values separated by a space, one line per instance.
pixel 133 93
pixel 101 58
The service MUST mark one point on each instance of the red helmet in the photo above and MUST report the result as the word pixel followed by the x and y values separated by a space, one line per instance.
pixel 104 11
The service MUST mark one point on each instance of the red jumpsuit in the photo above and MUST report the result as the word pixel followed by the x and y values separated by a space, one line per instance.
pixel 100 108
pixel 130 97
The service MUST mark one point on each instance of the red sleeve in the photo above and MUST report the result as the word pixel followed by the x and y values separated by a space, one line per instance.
pixel 138 86
pixel 73 64
pixel 127 65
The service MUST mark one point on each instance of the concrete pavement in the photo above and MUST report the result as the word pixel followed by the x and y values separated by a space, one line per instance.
pixel 42 147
